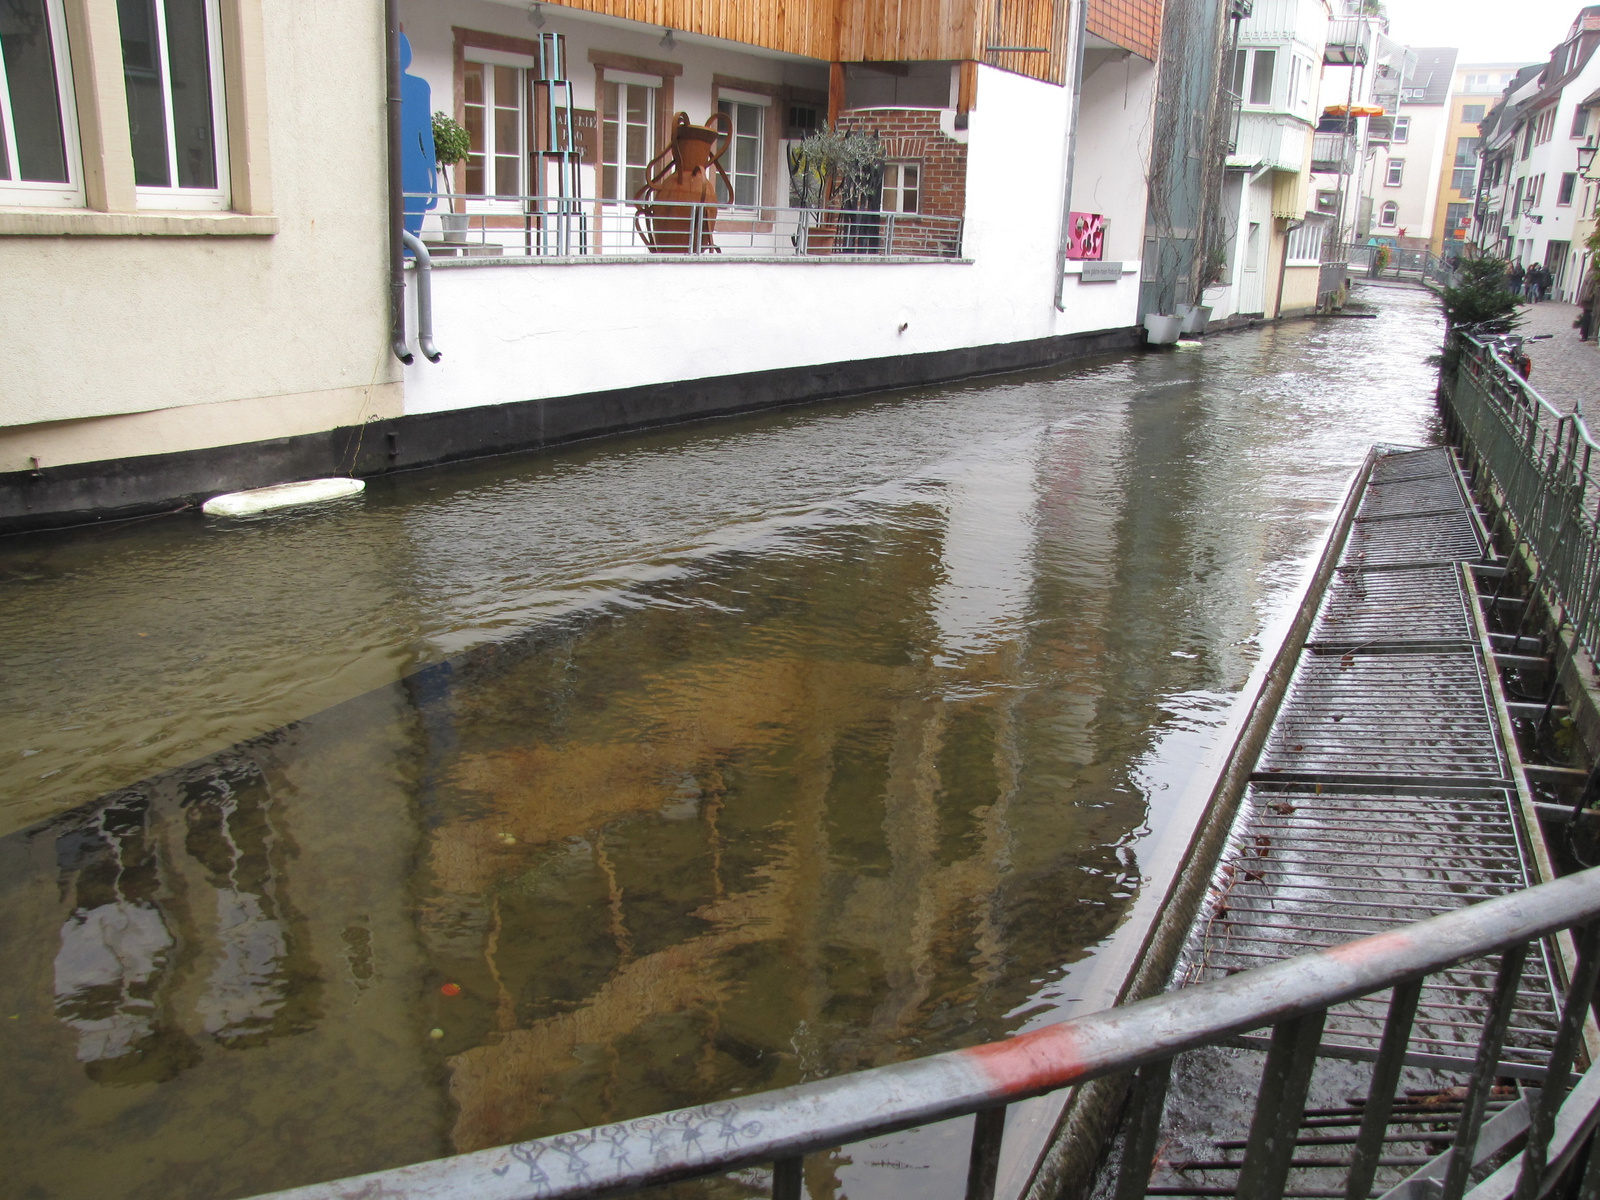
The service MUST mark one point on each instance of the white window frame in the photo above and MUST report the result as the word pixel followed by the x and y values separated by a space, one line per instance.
pixel 14 191
pixel 1395 175
pixel 735 98
pixel 173 197
pixel 1389 215
pixel 652 85
pixel 521 64
pixel 1402 130
pixel 898 189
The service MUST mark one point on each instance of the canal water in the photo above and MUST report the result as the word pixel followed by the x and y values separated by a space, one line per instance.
pixel 549 791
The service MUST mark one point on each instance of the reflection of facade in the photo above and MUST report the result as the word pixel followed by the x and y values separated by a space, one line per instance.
pixel 117 969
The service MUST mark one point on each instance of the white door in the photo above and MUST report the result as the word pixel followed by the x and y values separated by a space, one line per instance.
pixel 1252 285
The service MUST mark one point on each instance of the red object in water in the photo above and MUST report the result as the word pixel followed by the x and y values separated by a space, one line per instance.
pixel 451 989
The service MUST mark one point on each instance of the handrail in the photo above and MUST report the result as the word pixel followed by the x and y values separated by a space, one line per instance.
pixel 781 1125
pixel 1515 380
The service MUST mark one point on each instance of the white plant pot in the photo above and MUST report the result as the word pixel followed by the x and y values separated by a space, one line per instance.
pixel 1162 329
pixel 1196 318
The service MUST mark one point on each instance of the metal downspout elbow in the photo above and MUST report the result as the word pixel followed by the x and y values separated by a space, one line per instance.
pixel 424 296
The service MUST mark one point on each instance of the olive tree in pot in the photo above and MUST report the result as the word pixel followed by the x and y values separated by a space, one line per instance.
pixel 451 145
pixel 829 170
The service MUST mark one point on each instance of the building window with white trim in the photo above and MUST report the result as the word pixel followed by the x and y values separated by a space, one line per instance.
pixel 744 157
pixel 171 68
pixel 1389 214
pixel 1397 172
pixel 627 132
pixel 1261 77
pixel 38 130
pixel 494 110
pixel 902 187
pixel 1402 129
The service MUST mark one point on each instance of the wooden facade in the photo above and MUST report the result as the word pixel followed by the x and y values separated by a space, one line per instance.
pixel 1033 33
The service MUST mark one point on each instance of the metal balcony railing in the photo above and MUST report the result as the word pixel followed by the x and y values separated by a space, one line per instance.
pixel 1543 462
pixel 477 226
pixel 1349 42
pixel 1291 997
pixel 1332 152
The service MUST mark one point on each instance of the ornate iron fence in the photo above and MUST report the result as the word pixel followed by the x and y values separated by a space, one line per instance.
pixel 1291 997
pixel 1542 461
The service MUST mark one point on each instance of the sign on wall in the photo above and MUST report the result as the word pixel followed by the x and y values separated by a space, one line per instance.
pixel 1101 272
pixel 585 132
pixel 1088 234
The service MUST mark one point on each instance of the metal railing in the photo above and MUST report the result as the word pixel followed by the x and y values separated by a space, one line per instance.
pixel 564 227
pixel 1332 152
pixel 1291 996
pixel 1543 461
pixel 1416 265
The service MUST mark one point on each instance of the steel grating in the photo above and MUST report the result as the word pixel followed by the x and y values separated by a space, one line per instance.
pixel 1424 716
pixel 1402 607
pixel 1411 497
pixel 1306 874
pixel 1407 541
pixel 1412 464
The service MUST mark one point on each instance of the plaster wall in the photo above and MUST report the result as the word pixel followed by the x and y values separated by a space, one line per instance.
pixel 1422 151
pixel 539 330
pixel 97 326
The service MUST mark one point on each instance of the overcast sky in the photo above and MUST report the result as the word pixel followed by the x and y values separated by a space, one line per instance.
pixel 1484 30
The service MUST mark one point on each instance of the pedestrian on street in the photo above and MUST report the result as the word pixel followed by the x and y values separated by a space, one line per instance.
pixel 1586 291
pixel 1515 278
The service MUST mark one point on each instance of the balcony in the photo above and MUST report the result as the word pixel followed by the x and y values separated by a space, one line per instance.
pixel 554 227
pixel 1332 153
pixel 1349 42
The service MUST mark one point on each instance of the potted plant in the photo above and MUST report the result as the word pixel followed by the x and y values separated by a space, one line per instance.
pixel 829 170
pixel 451 145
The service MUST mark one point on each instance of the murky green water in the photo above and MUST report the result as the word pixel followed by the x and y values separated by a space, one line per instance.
pixel 702 762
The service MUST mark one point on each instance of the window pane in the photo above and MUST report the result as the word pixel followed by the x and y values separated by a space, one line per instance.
pixel 147 110
pixel 472 83
pixel 638 103
pixel 744 190
pixel 608 183
pixel 635 181
pixel 35 98
pixel 749 120
pixel 189 66
pixel 1241 58
pixel 608 142
pixel 475 180
pixel 1261 81
pixel 745 155
pixel 636 145
pixel 505 175
pixel 505 130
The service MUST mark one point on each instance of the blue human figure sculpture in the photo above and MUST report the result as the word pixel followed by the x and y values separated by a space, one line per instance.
pixel 417 171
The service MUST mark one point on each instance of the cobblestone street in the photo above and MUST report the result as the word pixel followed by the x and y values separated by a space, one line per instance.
pixel 1565 371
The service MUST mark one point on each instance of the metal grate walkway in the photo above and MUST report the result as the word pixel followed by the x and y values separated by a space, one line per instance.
pixel 1384 794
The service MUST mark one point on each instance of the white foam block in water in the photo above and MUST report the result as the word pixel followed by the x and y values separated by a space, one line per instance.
pixel 280 495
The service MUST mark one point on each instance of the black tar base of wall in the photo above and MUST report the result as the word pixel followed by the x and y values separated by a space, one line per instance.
pixel 115 489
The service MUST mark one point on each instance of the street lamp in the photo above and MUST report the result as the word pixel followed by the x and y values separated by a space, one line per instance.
pixel 1586 159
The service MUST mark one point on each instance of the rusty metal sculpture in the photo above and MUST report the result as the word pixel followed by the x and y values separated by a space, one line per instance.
pixel 677 211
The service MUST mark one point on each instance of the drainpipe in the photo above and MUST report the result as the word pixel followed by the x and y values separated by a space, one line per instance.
pixel 424 296
pixel 397 213
pixel 1079 36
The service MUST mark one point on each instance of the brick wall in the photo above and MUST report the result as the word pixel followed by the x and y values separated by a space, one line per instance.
pixel 1132 24
pixel 914 134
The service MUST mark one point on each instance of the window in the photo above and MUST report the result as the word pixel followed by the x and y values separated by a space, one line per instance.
pixel 627 133
pixel 902 187
pixel 1457 217
pixel 803 121
pixel 1471 114
pixel 38 141
pixel 1397 172
pixel 1327 201
pixel 1402 129
pixel 744 158
pixel 1305 243
pixel 1527 140
pixel 1569 184
pixel 1261 77
pixel 1389 214
pixel 1241 61
pixel 1580 121
pixel 495 108
pixel 1476 83
pixel 1463 180
pixel 175 115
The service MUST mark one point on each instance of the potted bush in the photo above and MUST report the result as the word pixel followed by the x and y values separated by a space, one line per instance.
pixel 451 145
pixel 829 170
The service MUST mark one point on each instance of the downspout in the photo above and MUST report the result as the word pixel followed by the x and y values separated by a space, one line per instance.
pixel 397 214
pixel 1079 37
pixel 424 271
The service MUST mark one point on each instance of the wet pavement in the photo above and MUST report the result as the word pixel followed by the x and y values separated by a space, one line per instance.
pixel 1566 372
pixel 555 790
